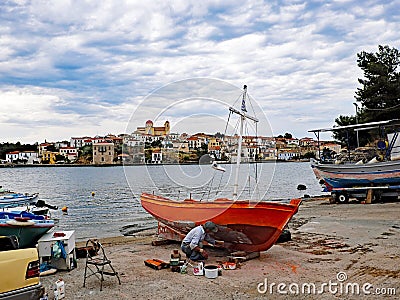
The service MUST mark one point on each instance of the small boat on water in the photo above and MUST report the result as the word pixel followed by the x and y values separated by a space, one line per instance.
pixel 16 199
pixel 18 202
pixel 246 225
pixel 27 227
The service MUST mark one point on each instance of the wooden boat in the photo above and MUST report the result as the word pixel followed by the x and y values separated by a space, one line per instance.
pixel 18 203
pixel 246 225
pixel 359 174
pixel 27 227
pixel 242 225
pixel 16 199
pixel 350 175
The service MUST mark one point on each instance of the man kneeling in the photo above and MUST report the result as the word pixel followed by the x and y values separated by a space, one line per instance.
pixel 192 244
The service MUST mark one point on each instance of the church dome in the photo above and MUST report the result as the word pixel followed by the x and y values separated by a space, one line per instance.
pixel 149 122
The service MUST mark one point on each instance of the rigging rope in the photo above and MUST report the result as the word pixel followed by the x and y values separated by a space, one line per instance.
pixel 219 185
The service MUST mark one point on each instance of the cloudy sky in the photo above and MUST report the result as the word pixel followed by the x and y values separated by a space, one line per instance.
pixel 74 68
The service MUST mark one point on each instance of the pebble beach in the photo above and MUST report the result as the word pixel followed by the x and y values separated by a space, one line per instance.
pixel 336 252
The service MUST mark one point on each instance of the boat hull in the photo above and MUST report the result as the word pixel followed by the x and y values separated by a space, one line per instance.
pixel 12 200
pixel 27 235
pixel 242 225
pixel 346 176
pixel 27 227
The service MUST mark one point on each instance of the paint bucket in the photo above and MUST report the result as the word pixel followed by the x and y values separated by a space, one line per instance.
pixel 59 289
pixel 211 271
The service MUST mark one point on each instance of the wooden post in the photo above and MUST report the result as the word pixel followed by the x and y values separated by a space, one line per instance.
pixel 370 194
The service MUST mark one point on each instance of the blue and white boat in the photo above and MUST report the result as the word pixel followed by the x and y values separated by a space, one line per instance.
pixel 352 175
pixel 16 199
pixel 359 174
pixel 27 227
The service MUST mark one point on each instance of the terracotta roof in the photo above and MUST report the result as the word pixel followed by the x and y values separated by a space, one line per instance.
pixel 104 143
pixel 215 148
pixel 13 152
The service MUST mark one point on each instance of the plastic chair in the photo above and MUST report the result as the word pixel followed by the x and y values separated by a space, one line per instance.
pixel 97 263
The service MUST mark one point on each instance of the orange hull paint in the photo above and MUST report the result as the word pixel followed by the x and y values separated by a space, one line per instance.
pixel 243 225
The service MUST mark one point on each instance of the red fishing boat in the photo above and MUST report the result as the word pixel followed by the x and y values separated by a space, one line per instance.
pixel 245 225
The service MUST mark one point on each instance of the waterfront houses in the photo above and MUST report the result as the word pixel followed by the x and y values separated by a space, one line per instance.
pixel 103 153
pixel 152 144
pixel 27 157
pixel 70 153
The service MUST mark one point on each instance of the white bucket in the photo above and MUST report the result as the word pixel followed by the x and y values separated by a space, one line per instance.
pixel 211 271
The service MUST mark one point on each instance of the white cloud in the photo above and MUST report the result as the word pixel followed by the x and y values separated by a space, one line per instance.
pixel 93 60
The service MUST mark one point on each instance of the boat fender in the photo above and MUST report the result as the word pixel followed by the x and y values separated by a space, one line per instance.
pixel 24 222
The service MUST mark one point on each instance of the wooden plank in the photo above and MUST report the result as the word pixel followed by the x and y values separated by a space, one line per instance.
pixel 160 242
pixel 370 194
pixel 241 256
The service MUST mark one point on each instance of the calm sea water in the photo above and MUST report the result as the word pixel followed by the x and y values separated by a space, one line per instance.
pixel 115 205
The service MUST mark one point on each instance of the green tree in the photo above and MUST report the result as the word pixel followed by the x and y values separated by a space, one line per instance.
pixel 86 153
pixel 380 91
pixel 309 154
pixel 60 158
pixel 201 151
pixel 51 148
pixel 288 135
pixel 346 137
pixel 156 144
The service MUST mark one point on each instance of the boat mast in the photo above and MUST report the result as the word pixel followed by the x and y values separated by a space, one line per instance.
pixel 243 117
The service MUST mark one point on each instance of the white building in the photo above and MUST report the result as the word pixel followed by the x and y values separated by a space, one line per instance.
pixel 131 142
pixel 77 142
pixel 62 144
pixel 30 157
pixel 69 152
pixel 12 156
pixel 156 157
pixel 288 154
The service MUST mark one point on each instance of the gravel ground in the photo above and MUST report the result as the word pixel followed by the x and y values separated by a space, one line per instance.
pixel 337 248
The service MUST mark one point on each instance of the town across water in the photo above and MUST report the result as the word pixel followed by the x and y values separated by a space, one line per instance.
pixel 104 201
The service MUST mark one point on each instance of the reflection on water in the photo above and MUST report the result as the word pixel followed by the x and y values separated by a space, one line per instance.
pixel 116 205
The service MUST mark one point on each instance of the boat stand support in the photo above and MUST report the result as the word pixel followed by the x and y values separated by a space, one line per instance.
pixel 241 256
pixel 370 195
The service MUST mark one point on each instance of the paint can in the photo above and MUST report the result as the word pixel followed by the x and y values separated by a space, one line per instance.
pixel 59 290
pixel 198 270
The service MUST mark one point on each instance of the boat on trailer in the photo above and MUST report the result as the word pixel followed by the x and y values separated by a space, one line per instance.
pixel 356 177
pixel 243 225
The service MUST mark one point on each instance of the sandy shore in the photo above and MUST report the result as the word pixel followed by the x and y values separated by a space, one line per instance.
pixel 334 248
